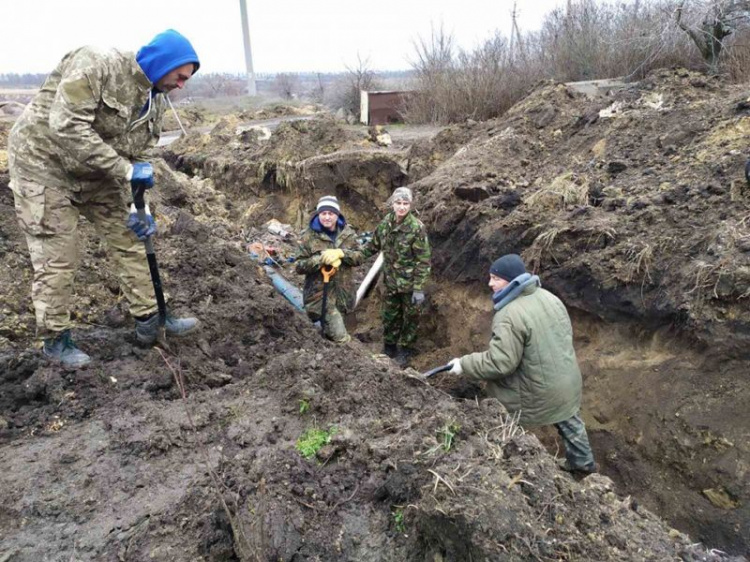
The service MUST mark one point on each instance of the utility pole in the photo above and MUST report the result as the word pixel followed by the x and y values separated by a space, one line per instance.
pixel 251 90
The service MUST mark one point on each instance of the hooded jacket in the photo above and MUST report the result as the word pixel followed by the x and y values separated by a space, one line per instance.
pixel 95 114
pixel 313 241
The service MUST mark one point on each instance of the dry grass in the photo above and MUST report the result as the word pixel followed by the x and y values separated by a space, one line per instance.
pixel 566 189
pixel 542 245
pixel 497 437
pixel 639 264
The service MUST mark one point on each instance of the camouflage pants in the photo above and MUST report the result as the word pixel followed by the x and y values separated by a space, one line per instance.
pixel 576 442
pixel 400 320
pixel 49 219
pixel 335 330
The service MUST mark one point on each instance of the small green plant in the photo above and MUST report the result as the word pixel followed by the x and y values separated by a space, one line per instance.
pixel 398 520
pixel 313 440
pixel 304 407
pixel 447 435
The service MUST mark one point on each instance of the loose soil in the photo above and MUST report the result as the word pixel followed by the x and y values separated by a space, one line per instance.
pixel 190 453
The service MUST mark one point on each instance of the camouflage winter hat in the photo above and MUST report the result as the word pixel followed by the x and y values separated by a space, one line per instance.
pixel 401 194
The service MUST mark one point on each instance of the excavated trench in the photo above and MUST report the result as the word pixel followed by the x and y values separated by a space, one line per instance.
pixel 655 427
pixel 113 463
pixel 647 395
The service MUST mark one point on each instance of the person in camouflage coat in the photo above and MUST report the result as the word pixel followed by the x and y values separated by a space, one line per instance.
pixel 329 240
pixel 402 238
pixel 77 149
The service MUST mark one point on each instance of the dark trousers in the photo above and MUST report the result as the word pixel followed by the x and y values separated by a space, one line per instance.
pixel 576 442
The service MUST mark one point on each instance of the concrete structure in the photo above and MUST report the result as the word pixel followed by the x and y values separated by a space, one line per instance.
pixel 382 107
pixel 594 88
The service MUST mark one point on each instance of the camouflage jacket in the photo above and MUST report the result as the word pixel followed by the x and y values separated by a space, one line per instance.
pixel 311 244
pixel 93 115
pixel 406 253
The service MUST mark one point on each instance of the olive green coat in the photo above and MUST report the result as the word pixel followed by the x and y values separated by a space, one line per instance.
pixel 531 365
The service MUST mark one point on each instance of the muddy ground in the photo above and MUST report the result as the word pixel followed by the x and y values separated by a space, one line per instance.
pixel 112 463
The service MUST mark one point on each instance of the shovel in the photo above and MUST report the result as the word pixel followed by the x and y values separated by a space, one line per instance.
pixel 140 207
pixel 437 370
pixel 328 271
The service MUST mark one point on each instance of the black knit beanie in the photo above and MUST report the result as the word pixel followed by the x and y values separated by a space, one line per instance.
pixel 508 267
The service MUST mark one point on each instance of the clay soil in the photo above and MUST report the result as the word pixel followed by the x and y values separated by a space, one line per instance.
pixel 191 452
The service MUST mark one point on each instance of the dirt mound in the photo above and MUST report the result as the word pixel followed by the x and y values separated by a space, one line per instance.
pixel 640 200
pixel 301 161
pixel 633 208
pixel 110 463
pixel 280 110
pixel 190 116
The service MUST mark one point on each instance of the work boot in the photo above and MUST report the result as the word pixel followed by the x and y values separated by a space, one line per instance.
pixel 390 349
pixel 61 348
pixel 147 330
pixel 404 356
pixel 587 469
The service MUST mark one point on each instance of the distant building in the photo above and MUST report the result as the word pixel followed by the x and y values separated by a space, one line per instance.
pixel 382 107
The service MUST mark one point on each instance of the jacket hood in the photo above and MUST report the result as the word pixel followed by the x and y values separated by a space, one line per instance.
pixel 318 227
pixel 167 51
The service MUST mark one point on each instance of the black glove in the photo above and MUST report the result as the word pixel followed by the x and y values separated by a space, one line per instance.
pixel 747 171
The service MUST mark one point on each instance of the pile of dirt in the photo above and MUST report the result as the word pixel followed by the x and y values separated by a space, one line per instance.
pixel 633 209
pixel 281 110
pixel 636 206
pixel 111 463
pixel 255 439
pixel 190 116
pixel 301 161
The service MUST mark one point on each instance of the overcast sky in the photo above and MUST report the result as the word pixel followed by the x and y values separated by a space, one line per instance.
pixel 286 35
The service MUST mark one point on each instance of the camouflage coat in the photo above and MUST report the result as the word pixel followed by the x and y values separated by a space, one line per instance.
pixel 406 253
pixel 311 244
pixel 93 115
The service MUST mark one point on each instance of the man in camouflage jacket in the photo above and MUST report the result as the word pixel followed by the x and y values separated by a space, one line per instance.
pixel 329 240
pixel 78 148
pixel 402 238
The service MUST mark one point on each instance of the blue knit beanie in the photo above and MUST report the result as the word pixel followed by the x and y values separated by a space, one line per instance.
pixel 167 51
pixel 508 267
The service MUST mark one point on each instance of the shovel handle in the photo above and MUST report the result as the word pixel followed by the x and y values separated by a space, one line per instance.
pixel 436 370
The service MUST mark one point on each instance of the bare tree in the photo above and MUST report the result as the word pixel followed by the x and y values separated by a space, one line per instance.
pixel 318 92
pixel 286 85
pixel 358 78
pixel 720 19
pixel 214 85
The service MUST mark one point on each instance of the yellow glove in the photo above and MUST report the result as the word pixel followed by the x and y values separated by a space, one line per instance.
pixel 329 257
pixel 336 264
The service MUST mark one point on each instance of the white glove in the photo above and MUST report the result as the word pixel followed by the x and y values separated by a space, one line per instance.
pixel 455 366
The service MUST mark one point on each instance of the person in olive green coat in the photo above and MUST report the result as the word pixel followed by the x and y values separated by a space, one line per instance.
pixel 329 240
pixel 402 238
pixel 531 365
